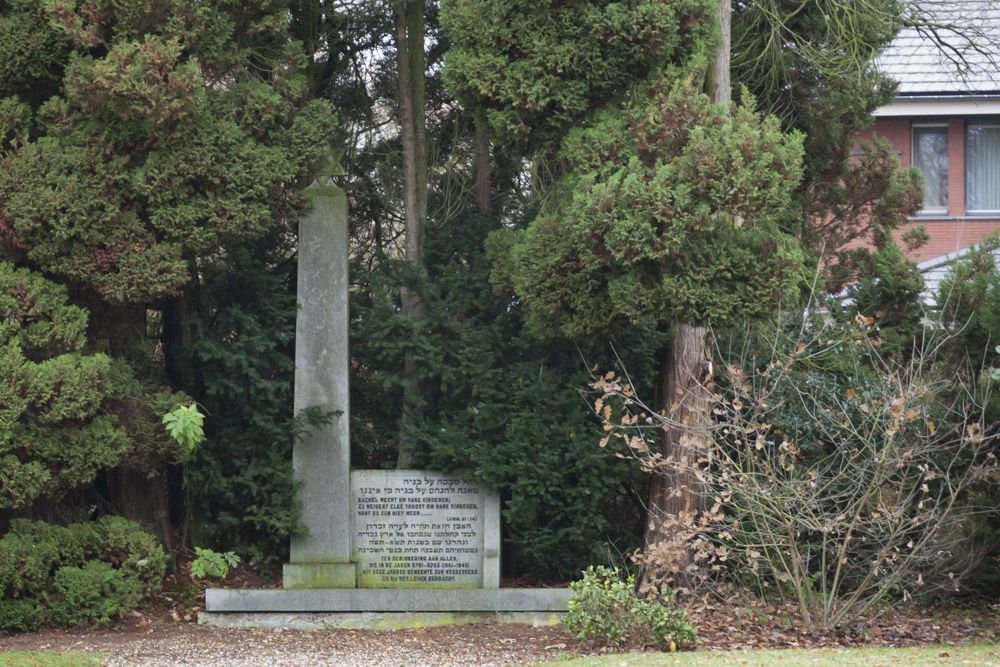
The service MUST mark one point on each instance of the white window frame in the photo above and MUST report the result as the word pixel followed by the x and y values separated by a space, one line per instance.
pixel 935 210
pixel 965 138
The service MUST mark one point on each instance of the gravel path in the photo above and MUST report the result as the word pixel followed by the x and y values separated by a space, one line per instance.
pixel 152 641
pixel 166 645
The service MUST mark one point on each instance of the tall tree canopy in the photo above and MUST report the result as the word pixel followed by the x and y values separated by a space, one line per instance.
pixel 165 130
pixel 534 71
pixel 139 143
pixel 672 212
pixel 812 64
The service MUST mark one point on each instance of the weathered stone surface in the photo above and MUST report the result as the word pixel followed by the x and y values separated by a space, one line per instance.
pixel 418 529
pixel 319 575
pixel 372 620
pixel 386 600
pixel 321 461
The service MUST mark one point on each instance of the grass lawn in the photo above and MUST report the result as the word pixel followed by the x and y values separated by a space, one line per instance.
pixel 970 654
pixel 48 659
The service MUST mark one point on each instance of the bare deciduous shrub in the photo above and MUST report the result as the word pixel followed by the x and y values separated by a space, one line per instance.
pixel 834 477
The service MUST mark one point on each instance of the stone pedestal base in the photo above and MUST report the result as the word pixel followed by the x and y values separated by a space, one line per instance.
pixel 298 576
pixel 371 620
pixel 381 608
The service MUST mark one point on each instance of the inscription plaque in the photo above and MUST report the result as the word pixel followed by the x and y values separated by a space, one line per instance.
pixel 418 529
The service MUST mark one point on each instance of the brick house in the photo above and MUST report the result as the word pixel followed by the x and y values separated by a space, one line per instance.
pixel 945 120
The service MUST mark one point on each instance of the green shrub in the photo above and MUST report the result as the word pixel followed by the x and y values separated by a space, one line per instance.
pixel 71 575
pixel 92 594
pixel 132 550
pixel 604 608
pixel 242 491
pixel 20 615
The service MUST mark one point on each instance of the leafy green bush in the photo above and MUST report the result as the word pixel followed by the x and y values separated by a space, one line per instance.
pixel 185 425
pixel 52 395
pixel 837 478
pixel 76 574
pixel 20 615
pixel 604 608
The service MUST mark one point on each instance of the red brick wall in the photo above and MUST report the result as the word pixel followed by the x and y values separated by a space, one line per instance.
pixel 897 132
pixel 947 233
pixel 951 235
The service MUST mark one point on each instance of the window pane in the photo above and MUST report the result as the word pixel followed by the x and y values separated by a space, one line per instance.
pixel 982 169
pixel 930 155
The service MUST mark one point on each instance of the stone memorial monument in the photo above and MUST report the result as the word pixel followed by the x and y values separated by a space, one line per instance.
pixel 385 548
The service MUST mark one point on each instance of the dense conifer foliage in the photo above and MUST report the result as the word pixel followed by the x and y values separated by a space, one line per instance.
pixel 534 71
pixel 672 212
pixel 142 142
pixel 503 407
pixel 65 413
pixel 159 144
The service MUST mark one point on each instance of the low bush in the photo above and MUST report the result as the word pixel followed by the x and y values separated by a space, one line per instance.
pixel 84 573
pixel 603 608
pixel 92 594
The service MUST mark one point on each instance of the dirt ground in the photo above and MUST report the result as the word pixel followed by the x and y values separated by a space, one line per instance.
pixel 166 633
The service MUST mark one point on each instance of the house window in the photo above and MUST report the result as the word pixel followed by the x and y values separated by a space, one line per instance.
pixel 982 168
pixel 930 155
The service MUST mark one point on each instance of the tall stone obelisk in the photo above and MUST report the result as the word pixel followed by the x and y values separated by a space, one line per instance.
pixel 321 460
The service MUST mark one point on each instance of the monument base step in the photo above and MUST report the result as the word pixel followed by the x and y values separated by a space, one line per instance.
pixel 371 620
pixel 364 600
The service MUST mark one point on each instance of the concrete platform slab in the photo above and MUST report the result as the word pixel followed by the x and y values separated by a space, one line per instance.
pixel 275 600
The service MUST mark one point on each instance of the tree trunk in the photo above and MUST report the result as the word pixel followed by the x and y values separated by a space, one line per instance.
pixel 409 35
pixel 687 400
pixel 178 342
pixel 717 83
pixel 679 494
pixel 144 498
pixel 483 198
pixel 139 495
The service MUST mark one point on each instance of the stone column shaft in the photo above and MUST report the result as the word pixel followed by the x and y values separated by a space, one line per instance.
pixel 321 460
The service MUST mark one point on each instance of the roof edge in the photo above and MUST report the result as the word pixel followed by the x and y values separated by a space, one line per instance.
pixel 924 97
